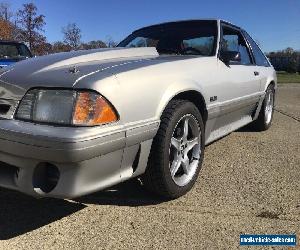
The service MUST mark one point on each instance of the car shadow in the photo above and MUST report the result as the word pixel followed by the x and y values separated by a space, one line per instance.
pixel 20 213
pixel 129 193
pixel 247 128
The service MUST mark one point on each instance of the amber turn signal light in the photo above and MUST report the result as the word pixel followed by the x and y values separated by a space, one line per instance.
pixel 92 109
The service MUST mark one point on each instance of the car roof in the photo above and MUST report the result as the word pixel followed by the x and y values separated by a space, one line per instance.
pixel 190 20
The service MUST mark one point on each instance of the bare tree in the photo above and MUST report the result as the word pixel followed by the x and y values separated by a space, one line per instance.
pixel 72 35
pixel 43 48
pixel 93 45
pixel 60 47
pixel 32 25
pixel 110 42
pixel 5 11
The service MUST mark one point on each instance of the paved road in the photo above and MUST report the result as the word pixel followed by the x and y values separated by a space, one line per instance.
pixel 249 184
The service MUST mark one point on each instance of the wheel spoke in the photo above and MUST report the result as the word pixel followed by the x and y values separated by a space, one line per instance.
pixel 269 106
pixel 186 165
pixel 175 166
pixel 271 101
pixel 185 150
pixel 185 129
pixel 175 143
pixel 191 144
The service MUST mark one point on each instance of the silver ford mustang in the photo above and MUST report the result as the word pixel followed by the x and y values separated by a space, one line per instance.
pixel 74 123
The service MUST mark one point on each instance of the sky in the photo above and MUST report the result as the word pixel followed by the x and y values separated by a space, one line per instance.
pixel 275 24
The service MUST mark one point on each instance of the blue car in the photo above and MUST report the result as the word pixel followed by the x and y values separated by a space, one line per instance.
pixel 12 52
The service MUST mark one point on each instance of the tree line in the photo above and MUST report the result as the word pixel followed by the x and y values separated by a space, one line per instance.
pixel 27 25
pixel 285 60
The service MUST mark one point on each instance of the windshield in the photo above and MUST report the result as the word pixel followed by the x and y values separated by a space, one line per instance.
pixel 180 38
pixel 14 51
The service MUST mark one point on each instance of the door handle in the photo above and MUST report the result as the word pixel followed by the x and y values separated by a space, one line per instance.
pixel 256 73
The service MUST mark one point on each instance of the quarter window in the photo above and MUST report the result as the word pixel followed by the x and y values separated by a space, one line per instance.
pixel 259 56
pixel 234 41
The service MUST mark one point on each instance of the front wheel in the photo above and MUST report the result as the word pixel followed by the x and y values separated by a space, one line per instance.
pixel 177 151
pixel 265 116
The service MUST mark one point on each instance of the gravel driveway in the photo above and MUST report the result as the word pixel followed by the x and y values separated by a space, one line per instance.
pixel 250 183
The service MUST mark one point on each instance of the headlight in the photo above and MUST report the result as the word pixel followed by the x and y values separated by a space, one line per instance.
pixel 66 107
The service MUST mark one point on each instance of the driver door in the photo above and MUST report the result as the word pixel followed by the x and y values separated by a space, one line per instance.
pixel 239 81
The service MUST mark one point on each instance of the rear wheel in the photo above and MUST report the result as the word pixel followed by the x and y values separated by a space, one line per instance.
pixel 265 116
pixel 177 151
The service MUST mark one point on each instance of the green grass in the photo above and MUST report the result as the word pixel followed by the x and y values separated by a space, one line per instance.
pixel 284 77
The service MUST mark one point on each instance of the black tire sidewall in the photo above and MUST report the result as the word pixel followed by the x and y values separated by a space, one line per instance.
pixel 183 109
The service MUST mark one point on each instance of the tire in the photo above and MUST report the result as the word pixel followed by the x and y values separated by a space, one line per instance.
pixel 265 116
pixel 168 155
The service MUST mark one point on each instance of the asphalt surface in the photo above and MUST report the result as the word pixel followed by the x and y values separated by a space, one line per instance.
pixel 249 183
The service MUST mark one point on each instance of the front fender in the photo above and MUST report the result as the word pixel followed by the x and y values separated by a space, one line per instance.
pixel 177 88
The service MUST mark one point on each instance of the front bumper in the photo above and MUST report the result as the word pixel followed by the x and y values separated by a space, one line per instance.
pixel 88 159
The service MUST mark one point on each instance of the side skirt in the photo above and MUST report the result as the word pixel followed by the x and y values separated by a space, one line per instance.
pixel 228 128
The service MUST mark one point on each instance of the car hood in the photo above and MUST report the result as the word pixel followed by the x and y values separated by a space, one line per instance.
pixel 65 69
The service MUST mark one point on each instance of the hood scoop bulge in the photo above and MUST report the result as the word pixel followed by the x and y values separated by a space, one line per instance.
pixel 77 57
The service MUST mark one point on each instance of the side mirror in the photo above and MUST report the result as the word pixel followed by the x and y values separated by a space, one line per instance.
pixel 230 56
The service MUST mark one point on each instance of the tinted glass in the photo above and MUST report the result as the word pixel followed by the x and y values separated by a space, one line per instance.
pixel 24 51
pixel 182 38
pixel 142 42
pixel 13 51
pixel 234 41
pixel 202 44
pixel 8 51
pixel 259 56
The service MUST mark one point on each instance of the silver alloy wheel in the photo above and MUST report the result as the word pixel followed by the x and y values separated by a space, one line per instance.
pixel 185 150
pixel 269 106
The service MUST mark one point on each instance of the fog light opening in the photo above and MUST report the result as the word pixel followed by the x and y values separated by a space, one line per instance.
pixel 45 178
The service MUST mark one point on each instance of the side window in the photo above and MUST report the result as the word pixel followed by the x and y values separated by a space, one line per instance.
pixel 259 56
pixel 233 40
